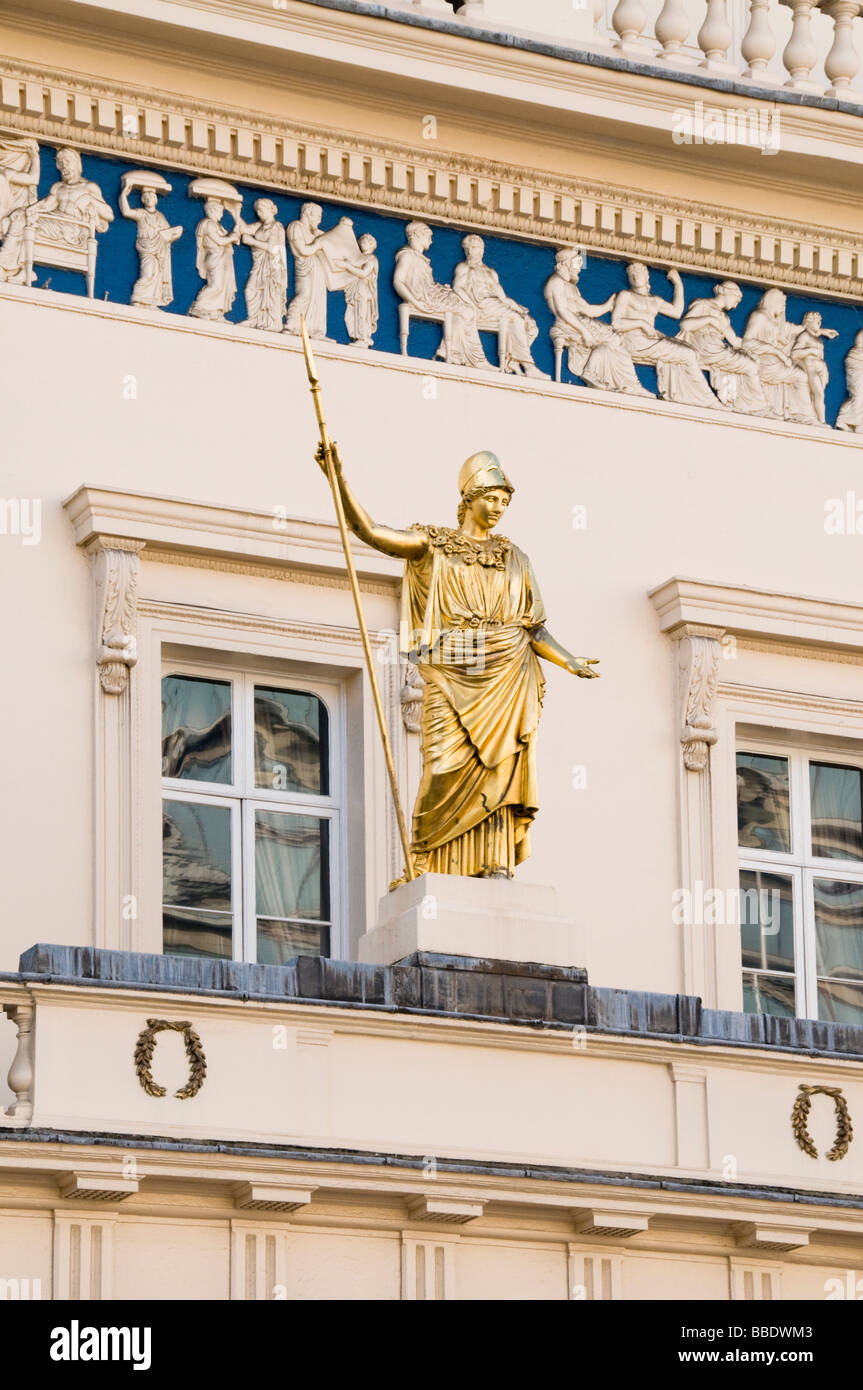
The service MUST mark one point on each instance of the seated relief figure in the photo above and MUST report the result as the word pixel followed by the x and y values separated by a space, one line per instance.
pixel 678 373
pixel 414 283
pixel 733 372
pixel 480 286
pixel 769 338
pixel 474 623
pixel 850 415
pixel 61 228
pixel 594 351
pixel 19 178
pixel 76 201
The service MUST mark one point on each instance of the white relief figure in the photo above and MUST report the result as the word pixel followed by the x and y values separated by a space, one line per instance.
pixel 480 286
pixel 215 259
pixel 769 338
pixel 678 374
pixel 414 283
pixel 850 415
pixel 807 351
pixel 733 372
pixel 305 239
pixel 61 228
pixel 322 261
pixel 71 205
pixel 594 351
pixel 154 287
pixel 19 178
pixel 267 285
pixel 361 294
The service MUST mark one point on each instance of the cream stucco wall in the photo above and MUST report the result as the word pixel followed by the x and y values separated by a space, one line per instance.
pixel 224 421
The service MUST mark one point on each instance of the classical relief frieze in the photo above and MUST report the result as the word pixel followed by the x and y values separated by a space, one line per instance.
pixel 734 348
pixel 36 100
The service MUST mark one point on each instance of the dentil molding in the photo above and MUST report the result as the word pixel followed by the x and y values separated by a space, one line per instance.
pixel 161 128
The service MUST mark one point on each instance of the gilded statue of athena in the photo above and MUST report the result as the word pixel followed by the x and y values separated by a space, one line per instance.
pixel 473 621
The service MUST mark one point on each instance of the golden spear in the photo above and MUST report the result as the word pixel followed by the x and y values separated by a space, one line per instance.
pixel 326 444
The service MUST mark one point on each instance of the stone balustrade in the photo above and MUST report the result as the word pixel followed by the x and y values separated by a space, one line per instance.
pixel 803 45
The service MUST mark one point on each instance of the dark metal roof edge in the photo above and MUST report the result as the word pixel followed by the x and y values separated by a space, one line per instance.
pixel 535 1024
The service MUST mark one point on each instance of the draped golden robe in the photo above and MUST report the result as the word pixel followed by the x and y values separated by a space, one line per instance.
pixel 467 611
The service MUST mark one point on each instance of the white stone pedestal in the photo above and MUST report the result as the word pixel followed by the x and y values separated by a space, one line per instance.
pixel 496 919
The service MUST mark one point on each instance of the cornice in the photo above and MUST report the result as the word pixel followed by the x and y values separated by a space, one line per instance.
pixel 156 127
pixel 598 84
pixel 174 525
pixel 808 623
pixel 551 1190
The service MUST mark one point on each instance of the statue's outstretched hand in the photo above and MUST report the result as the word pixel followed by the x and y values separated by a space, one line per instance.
pixel 583 666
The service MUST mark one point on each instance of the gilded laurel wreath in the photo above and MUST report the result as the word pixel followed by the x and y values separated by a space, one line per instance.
pixel 146 1045
pixel 800 1118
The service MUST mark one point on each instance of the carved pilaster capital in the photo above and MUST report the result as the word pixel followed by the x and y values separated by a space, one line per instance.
pixel 411 698
pixel 698 654
pixel 116 563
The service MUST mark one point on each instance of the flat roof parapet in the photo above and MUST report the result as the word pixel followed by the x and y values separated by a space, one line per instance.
pixel 449 986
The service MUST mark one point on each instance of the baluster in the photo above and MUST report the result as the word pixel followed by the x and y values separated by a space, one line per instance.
pixel 714 38
pixel 759 42
pixel 841 63
pixel 20 1079
pixel 672 30
pixel 800 54
pixel 628 20
pixel 599 34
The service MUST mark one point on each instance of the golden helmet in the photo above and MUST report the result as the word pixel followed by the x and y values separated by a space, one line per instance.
pixel 482 470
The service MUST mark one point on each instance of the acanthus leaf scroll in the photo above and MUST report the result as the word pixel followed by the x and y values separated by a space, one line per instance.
pixel 698 656
pixel 117 564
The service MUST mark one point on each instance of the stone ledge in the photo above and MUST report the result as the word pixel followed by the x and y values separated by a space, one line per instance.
pixel 450 986
pixel 60 1144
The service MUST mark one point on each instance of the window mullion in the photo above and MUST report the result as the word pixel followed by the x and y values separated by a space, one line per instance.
pixel 237 876
pixel 809 956
pixel 249 936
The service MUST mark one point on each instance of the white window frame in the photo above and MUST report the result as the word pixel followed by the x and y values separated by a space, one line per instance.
pixel 243 798
pixel 800 864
